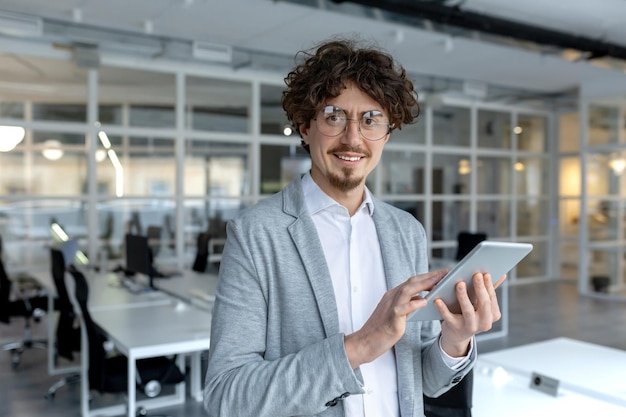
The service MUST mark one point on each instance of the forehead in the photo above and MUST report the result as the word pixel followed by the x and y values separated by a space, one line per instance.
pixel 352 100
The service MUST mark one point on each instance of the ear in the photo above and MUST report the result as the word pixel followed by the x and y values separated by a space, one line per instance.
pixel 304 133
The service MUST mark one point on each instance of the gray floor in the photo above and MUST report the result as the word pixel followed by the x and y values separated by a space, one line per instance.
pixel 537 312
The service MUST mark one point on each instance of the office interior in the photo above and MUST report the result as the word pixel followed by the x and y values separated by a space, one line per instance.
pixel 165 120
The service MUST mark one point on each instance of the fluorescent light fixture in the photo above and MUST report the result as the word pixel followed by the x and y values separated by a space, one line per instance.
pixel 212 52
pixel 13 24
pixel 104 139
pixel 119 173
pixel 10 137
pixel 52 150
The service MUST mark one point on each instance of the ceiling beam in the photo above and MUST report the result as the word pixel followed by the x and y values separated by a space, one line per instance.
pixel 455 16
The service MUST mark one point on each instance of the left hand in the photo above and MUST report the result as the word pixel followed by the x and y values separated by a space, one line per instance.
pixel 457 330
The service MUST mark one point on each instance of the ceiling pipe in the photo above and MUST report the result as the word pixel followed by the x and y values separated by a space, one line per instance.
pixel 455 16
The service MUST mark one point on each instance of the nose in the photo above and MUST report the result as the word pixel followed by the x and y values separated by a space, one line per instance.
pixel 353 131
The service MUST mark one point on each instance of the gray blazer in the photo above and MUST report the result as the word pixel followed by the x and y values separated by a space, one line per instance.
pixel 276 349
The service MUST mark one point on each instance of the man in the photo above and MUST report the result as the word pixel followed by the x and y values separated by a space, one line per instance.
pixel 317 281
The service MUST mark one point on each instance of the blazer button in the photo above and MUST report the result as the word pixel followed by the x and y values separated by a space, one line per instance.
pixel 457 379
pixel 332 402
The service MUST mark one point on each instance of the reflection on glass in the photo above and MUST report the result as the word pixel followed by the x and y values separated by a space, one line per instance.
pixel 569 176
pixel 217 105
pixel 532 217
pixel 494 129
pixel 402 172
pixel 569 212
pixel 280 164
pixel 601 179
pixel 148 166
pixel 60 112
pixel 531 176
pixel 218 169
pixel 569 132
pixel 273 118
pixel 494 175
pixel 449 218
pixel 603 125
pixel 535 264
pixel 605 263
pixel 532 132
pixel 603 215
pixel 451 126
pixel 451 174
pixel 10 110
pixel 494 218
pixel 64 176
pixel 12 178
pixel 412 134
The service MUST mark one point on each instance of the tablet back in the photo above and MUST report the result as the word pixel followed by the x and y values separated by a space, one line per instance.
pixel 495 257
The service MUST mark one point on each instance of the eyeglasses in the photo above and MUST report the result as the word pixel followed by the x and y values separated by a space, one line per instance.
pixel 373 125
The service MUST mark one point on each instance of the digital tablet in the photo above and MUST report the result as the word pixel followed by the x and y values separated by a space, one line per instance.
pixel 497 258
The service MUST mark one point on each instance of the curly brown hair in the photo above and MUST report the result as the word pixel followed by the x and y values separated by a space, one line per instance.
pixel 334 64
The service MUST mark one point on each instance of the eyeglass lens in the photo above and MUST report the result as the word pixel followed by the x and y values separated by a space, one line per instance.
pixel 373 125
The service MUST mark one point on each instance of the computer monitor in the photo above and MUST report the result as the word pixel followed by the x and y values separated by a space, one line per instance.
pixel 139 257
pixel 69 249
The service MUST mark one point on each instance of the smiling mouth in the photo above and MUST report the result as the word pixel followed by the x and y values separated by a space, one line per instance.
pixel 349 158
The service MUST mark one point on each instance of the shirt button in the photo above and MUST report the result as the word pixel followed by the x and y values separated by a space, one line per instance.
pixel 355 289
pixel 370 391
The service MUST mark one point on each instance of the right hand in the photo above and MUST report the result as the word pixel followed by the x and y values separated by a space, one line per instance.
pixel 387 324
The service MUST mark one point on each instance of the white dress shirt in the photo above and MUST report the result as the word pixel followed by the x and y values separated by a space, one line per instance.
pixel 355 264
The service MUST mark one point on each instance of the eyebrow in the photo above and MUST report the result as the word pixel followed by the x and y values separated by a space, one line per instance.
pixel 374 111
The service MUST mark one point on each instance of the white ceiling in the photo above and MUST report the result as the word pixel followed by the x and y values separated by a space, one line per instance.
pixel 283 28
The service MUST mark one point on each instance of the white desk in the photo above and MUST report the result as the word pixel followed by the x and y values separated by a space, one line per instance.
pixel 582 367
pixel 193 287
pixel 149 331
pixel 105 293
pixel 498 392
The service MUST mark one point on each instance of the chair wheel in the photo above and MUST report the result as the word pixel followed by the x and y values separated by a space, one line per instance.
pixel 141 412
pixel 15 360
pixel 49 396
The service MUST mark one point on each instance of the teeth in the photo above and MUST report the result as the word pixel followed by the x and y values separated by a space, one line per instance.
pixel 349 158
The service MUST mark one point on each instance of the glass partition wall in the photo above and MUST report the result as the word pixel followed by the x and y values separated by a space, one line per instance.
pixel 179 150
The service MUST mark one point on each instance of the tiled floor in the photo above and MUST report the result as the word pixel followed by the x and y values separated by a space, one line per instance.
pixel 537 312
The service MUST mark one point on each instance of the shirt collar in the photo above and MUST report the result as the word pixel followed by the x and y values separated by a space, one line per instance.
pixel 317 200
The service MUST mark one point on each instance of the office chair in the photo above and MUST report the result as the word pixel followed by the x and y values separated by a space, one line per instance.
pixel 457 402
pixel 109 374
pixel 202 252
pixel 67 332
pixel 30 304
pixel 466 241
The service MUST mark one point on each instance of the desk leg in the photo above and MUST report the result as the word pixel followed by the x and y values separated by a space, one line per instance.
pixel 132 400
pixel 51 335
pixel 196 377
pixel 84 372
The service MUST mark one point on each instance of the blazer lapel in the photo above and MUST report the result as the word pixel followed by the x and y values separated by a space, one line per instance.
pixel 306 240
pixel 394 273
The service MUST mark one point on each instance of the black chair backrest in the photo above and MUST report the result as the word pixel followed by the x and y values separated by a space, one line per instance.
pixel 67 336
pixel 466 241
pixel 95 339
pixel 202 252
pixel 5 294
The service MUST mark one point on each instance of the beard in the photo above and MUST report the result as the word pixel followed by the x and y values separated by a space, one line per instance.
pixel 346 181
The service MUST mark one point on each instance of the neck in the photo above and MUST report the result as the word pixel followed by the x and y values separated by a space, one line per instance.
pixel 350 199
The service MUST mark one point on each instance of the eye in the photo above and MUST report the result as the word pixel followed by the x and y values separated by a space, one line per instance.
pixel 335 117
pixel 373 118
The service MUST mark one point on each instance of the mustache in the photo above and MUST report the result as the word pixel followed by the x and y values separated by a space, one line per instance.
pixel 346 148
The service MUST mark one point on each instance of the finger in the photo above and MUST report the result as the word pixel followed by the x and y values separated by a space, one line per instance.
pixel 500 281
pixel 467 307
pixel 424 282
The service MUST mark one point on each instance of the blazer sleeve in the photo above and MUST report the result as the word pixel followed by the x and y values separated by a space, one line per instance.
pixel 241 379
